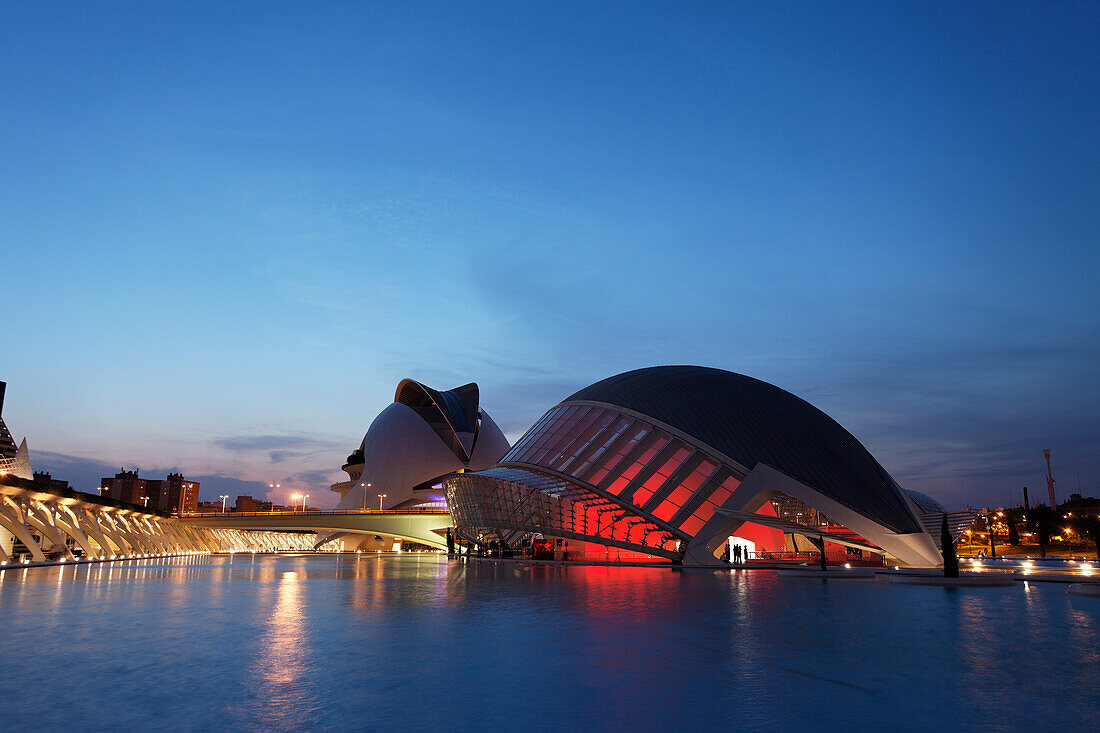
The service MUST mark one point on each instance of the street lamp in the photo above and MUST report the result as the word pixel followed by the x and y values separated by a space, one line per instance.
pixel 273 487
pixel 304 502
pixel 295 497
pixel 145 501
pixel 223 497
pixel 380 498
pixel 364 487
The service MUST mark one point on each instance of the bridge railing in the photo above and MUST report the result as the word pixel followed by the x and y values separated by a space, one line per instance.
pixel 311 512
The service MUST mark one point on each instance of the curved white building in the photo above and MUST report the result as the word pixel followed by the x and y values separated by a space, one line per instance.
pixel 670 462
pixel 415 443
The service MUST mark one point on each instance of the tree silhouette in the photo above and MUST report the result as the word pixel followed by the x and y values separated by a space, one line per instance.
pixel 1013 533
pixel 989 526
pixel 1042 519
pixel 1090 527
pixel 947 545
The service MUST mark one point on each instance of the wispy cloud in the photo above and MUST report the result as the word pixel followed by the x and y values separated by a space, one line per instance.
pixel 279 448
pixel 267 442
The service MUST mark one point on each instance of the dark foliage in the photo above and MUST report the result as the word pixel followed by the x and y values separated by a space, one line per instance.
pixel 950 559
pixel 1042 521
pixel 1090 527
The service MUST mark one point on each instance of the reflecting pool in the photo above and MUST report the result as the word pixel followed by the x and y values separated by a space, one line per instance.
pixel 417 643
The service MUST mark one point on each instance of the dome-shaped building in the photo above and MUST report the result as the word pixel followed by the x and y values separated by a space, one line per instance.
pixel 412 445
pixel 670 461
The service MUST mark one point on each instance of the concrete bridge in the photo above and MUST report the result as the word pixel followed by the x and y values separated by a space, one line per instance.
pixel 48 523
pixel 424 526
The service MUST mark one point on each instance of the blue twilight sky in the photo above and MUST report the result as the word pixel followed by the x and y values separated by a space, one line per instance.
pixel 227 230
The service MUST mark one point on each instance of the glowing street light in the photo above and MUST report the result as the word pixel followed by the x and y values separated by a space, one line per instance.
pixel 364 487
pixel 273 487
pixel 145 501
pixel 380 498
pixel 223 497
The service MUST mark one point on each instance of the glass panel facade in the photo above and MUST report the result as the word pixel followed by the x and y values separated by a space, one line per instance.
pixel 659 475
pixel 507 503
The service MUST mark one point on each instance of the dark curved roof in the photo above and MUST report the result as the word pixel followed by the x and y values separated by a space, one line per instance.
pixel 456 408
pixel 755 422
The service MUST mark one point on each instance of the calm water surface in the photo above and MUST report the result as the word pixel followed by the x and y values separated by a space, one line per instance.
pixel 414 643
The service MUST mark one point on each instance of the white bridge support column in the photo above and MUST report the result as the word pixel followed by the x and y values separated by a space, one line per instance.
pixel 232 540
pixel 107 522
pixel 142 534
pixel 88 522
pixel 152 531
pixel 174 536
pixel 123 528
pixel 166 540
pixel 201 538
pixel 41 520
pixel 168 530
pixel 67 524
pixel 11 516
pixel 75 517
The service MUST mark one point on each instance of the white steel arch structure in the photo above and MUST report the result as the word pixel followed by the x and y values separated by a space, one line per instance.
pixel 69 525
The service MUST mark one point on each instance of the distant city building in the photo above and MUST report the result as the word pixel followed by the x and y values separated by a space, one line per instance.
pixel 248 504
pixel 172 494
pixel 44 478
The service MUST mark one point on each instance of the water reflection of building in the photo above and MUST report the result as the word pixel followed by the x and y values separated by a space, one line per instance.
pixel 670 461
pixel 281 666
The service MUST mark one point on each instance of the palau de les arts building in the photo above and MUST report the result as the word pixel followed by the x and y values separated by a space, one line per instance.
pixel 659 463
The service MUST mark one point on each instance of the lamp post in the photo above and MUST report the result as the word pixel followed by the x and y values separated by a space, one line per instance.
pixel 364 487
pixel 223 497
pixel 145 501
pixel 273 487
pixel 294 498
pixel 304 502
pixel 380 498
